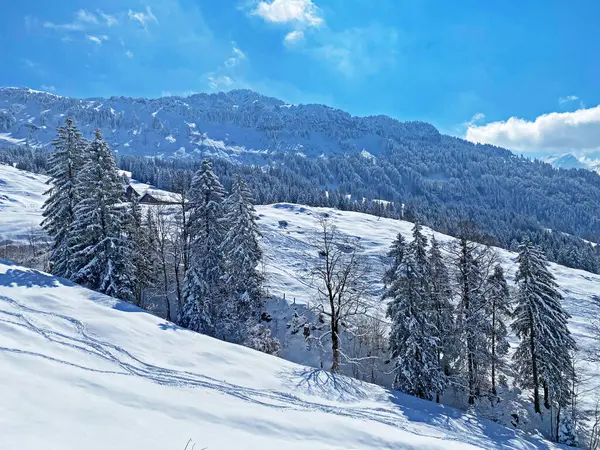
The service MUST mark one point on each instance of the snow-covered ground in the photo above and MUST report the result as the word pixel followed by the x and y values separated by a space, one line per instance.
pixel 21 200
pixel 80 370
pixel 288 234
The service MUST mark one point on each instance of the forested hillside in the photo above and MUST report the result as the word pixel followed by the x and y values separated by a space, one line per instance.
pixel 321 156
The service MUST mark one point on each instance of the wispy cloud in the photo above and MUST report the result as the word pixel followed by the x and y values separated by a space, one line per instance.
pixel 555 132
pixel 294 36
pixel 143 18
pixel 83 21
pixel 357 52
pixel 476 118
pixel 29 63
pixel 72 26
pixel 224 77
pixel 109 19
pixel 97 39
pixel 47 88
pixel 85 16
pixel 568 98
pixel 129 54
pixel 219 82
pixel 237 57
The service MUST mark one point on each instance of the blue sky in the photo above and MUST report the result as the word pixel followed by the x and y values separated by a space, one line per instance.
pixel 448 63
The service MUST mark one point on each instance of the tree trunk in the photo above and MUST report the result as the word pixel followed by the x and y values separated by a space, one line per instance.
pixel 335 346
pixel 557 423
pixel 166 281
pixel 534 367
pixel 546 395
pixel 494 349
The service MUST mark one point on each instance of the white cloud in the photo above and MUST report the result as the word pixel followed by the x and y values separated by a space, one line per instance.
pixel 237 57
pixel 568 98
pixel 74 26
pixel 97 39
pixel 577 131
pixel 47 88
pixel 289 11
pixel 129 54
pixel 219 81
pixel 476 118
pixel 294 36
pixel 143 17
pixel 108 19
pixel 85 16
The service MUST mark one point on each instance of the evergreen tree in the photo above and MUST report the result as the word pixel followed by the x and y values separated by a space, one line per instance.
pixel 102 251
pixel 396 253
pixel 498 311
pixel 139 236
pixel 442 309
pixel 243 254
pixel 472 326
pixel 64 164
pixel 413 339
pixel 204 292
pixel 544 353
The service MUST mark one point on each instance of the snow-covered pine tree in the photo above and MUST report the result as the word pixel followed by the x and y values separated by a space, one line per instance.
pixel 472 328
pixel 64 164
pixel 242 254
pixel 102 251
pixel 442 308
pixel 498 311
pixel 139 236
pixel 396 253
pixel 413 339
pixel 204 291
pixel 544 353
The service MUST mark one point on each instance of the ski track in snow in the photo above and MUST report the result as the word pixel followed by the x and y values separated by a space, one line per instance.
pixel 316 382
pixel 132 365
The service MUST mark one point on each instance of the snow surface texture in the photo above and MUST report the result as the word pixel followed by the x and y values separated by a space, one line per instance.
pixel 288 231
pixel 235 125
pixel 82 370
pixel 21 200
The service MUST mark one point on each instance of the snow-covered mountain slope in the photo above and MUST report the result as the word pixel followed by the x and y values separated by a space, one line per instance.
pixel 590 161
pixel 288 232
pixel 237 125
pixel 21 200
pixel 82 370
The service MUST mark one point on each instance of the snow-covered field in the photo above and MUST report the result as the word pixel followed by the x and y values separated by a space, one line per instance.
pixel 79 370
pixel 123 378
pixel 21 199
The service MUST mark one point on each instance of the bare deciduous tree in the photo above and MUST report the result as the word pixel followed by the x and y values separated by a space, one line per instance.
pixel 339 278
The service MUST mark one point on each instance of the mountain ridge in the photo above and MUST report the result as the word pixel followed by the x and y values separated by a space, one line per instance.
pixel 226 124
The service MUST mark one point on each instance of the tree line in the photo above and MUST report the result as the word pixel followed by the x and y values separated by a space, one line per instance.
pixel 442 183
pixel 208 243
pixel 450 325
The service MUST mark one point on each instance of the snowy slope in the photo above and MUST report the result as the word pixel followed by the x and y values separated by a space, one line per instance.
pixel 288 231
pixel 82 370
pixel 21 200
pixel 237 125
